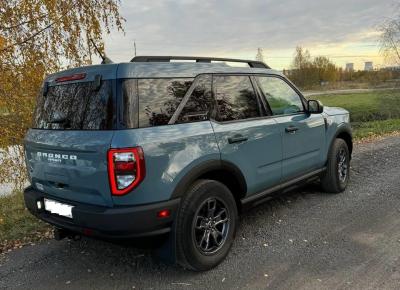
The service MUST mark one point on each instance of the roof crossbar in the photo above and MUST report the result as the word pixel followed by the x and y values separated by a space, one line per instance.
pixel 251 63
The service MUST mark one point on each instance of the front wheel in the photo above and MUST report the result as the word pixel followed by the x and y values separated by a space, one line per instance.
pixel 337 174
pixel 206 225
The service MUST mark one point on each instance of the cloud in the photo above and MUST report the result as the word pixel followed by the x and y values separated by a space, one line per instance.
pixel 238 27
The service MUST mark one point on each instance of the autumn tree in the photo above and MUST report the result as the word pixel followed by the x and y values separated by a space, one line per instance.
pixel 38 37
pixel 307 71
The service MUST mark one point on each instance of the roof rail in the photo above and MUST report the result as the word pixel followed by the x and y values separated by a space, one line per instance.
pixel 251 63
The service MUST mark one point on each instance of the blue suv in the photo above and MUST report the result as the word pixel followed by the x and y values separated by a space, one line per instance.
pixel 176 146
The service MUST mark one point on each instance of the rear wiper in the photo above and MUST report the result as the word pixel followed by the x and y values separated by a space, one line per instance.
pixel 60 119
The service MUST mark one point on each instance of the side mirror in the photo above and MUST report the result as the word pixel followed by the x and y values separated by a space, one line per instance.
pixel 315 107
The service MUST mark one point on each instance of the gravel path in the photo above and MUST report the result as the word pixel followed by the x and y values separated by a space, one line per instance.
pixel 303 240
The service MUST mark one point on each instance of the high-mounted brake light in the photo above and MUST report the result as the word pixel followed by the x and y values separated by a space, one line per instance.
pixel 126 169
pixel 74 77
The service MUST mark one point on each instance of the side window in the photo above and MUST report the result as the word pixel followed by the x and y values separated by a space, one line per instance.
pixel 159 99
pixel 199 104
pixel 129 101
pixel 235 98
pixel 281 97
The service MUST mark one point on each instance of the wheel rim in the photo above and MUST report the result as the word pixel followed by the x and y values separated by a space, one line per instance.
pixel 211 226
pixel 342 165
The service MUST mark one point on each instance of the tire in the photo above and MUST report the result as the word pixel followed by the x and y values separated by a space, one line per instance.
pixel 334 181
pixel 194 251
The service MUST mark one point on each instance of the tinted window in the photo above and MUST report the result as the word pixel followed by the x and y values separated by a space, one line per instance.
pixel 235 98
pixel 280 96
pixel 199 104
pixel 130 103
pixel 76 106
pixel 159 98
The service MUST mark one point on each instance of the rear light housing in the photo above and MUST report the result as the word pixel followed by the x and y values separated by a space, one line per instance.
pixel 74 77
pixel 126 169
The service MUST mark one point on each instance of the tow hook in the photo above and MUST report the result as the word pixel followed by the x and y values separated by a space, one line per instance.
pixel 75 237
pixel 60 234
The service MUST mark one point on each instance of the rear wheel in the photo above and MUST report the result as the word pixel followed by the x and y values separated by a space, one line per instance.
pixel 206 225
pixel 337 174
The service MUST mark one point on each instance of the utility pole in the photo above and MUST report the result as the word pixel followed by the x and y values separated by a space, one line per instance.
pixel 134 45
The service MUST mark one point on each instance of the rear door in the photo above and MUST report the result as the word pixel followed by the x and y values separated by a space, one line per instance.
pixel 246 136
pixel 72 130
pixel 302 133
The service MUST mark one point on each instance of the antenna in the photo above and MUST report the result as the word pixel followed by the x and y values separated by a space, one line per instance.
pixel 105 59
pixel 134 45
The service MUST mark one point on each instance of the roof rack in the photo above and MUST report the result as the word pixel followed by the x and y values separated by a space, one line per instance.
pixel 251 63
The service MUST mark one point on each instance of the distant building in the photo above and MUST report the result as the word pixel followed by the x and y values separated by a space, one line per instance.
pixel 392 68
pixel 350 66
pixel 368 66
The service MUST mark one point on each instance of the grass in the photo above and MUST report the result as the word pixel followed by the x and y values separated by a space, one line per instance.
pixel 375 128
pixel 374 113
pixel 371 106
pixel 17 225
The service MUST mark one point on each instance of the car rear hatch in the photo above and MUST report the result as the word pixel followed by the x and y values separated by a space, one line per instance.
pixel 66 150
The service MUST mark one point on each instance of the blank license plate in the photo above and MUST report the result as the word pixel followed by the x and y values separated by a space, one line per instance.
pixel 59 208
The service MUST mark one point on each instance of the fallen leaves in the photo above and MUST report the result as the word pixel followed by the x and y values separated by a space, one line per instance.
pixel 7 246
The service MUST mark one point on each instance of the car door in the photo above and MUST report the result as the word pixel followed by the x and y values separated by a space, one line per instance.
pixel 246 136
pixel 302 133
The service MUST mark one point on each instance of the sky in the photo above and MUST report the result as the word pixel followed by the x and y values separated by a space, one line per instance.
pixel 343 30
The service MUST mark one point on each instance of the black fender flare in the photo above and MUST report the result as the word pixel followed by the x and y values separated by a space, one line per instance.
pixel 346 128
pixel 207 167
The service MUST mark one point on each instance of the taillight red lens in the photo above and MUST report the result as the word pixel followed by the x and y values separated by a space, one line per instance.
pixel 74 77
pixel 126 169
pixel 125 166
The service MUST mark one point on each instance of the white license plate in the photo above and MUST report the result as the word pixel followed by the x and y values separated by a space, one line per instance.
pixel 59 208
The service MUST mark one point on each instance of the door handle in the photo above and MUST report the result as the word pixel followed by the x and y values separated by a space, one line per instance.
pixel 237 139
pixel 291 129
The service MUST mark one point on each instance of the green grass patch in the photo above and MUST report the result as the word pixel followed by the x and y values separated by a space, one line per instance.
pixel 375 128
pixel 364 107
pixel 17 225
pixel 374 113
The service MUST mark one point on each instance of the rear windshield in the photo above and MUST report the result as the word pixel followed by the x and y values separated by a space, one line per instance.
pixel 75 106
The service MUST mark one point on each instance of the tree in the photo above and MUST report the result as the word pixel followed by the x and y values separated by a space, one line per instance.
pixel 260 55
pixel 307 72
pixel 300 67
pixel 38 37
pixel 390 39
pixel 302 58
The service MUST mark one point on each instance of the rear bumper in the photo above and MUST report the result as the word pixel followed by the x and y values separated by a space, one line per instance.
pixel 117 222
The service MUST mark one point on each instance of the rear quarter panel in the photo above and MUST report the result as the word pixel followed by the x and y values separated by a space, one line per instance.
pixel 170 151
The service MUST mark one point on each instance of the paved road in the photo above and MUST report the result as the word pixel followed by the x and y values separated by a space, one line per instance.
pixel 304 240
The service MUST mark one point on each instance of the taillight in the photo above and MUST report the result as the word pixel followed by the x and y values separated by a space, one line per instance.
pixel 74 77
pixel 126 169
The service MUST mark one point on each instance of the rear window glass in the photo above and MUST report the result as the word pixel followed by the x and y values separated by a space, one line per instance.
pixel 76 106
pixel 159 99
pixel 200 103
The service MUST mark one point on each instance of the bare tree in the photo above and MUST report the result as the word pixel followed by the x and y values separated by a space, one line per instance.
pixel 260 55
pixel 390 39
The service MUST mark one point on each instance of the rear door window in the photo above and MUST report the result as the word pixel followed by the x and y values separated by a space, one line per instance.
pixel 76 106
pixel 235 98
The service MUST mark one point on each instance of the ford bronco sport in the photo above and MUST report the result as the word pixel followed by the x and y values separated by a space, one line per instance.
pixel 162 147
